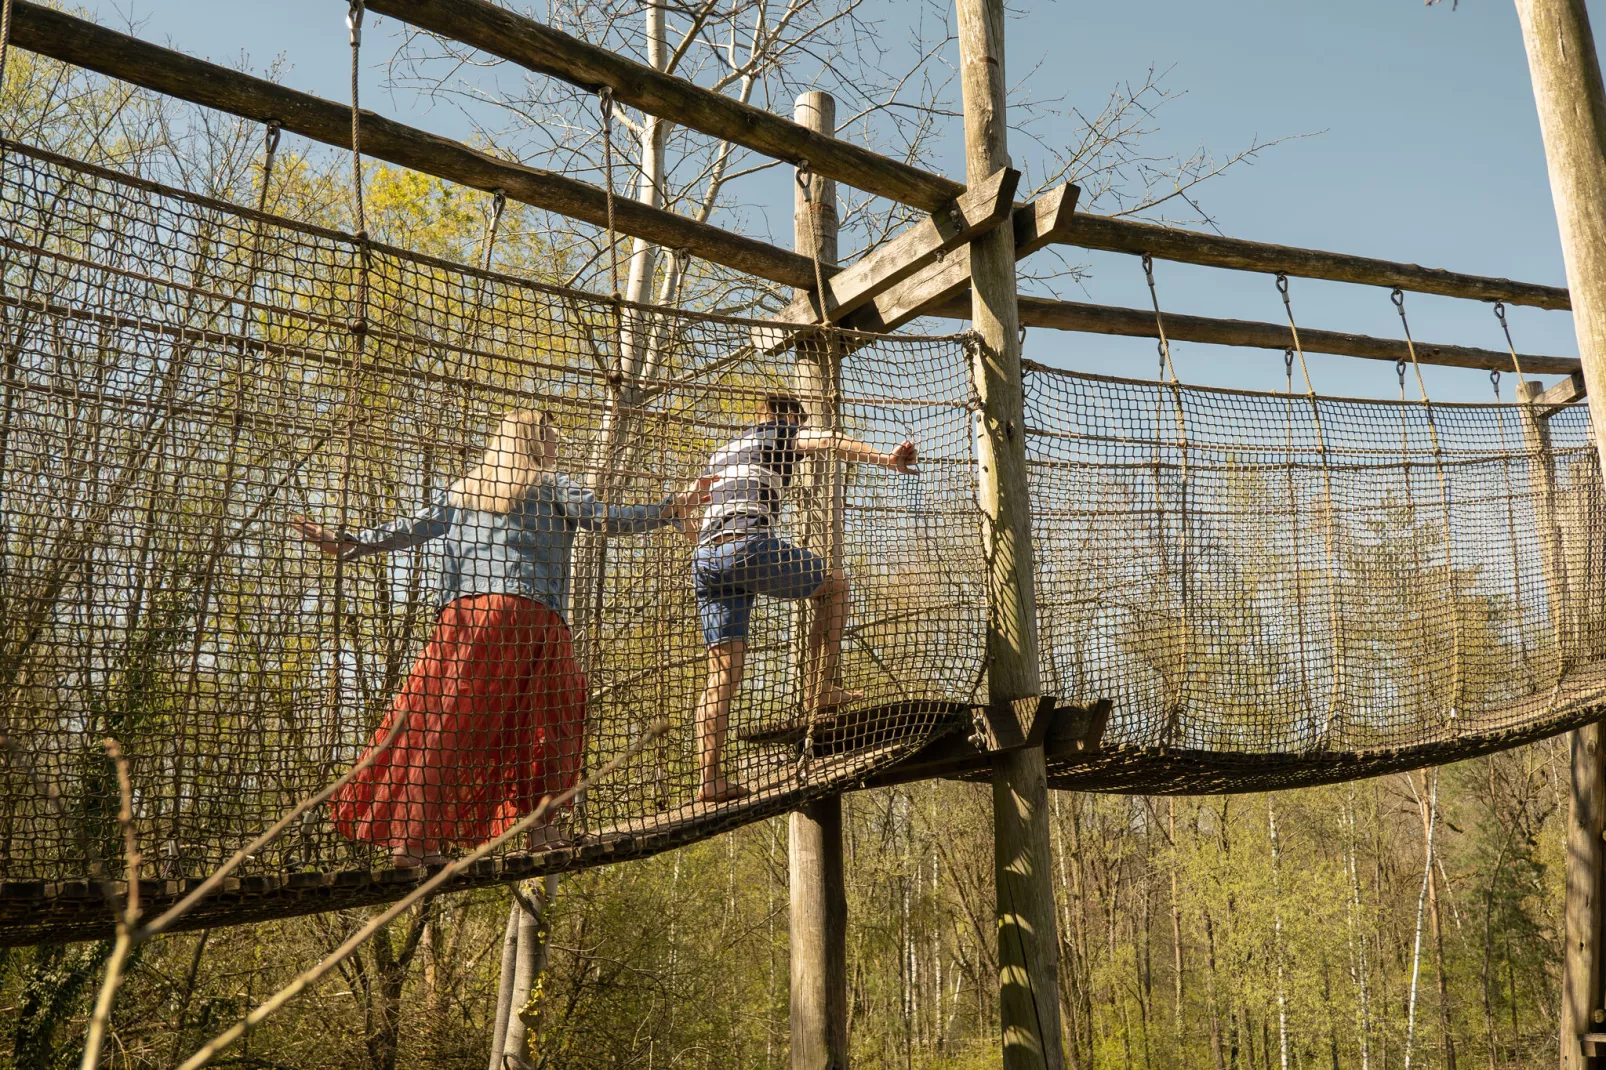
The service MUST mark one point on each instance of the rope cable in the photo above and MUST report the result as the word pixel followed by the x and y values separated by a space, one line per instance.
pixel 1330 528
pixel 1168 373
pixel 1398 297
pixel 805 181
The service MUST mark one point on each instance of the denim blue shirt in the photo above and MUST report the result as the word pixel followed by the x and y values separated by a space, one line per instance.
pixel 524 551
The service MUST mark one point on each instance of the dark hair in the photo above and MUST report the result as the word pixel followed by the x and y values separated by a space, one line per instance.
pixel 784 405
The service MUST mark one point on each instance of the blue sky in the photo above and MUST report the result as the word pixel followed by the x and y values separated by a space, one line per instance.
pixel 1423 147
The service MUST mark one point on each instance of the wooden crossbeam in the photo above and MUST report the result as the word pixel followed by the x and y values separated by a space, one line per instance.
pixel 542 49
pixel 1139 323
pixel 1566 392
pixel 1038 224
pixel 1211 250
pixel 976 212
pixel 84 44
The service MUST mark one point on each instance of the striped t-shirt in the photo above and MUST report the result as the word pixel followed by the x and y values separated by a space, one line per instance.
pixel 748 476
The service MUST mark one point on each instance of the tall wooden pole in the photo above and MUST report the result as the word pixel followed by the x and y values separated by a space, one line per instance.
pixel 1572 118
pixel 819 902
pixel 1028 948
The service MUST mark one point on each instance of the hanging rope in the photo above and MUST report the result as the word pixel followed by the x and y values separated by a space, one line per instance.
pixel 1168 373
pixel 1330 527
pixel 1398 297
pixel 805 183
pixel 5 39
pixel 359 336
pixel 605 106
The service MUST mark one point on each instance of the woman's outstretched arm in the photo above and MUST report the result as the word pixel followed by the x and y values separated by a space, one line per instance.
pixel 402 534
pixel 587 512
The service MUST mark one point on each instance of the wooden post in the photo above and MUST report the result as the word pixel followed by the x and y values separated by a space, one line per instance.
pixel 819 902
pixel 1553 565
pixel 1028 947
pixel 1572 118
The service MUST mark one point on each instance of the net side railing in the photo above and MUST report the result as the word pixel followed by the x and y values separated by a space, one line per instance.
pixel 182 378
pixel 1277 590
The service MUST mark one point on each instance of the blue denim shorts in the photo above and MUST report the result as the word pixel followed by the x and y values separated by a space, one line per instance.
pixel 729 577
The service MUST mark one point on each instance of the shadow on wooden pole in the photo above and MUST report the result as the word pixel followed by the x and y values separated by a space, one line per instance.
pixel 1572 118
pixel 1028 948
pixel 819 906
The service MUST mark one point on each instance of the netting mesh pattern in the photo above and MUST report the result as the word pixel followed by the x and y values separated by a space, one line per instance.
pixel 1272 589
pixel 1254 576
pixel 183 379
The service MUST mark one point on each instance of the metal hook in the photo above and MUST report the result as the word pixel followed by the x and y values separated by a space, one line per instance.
pixel 354 22
pixel 275 128
pixel 605 105
pixel 1494 378
pixel 804 179
pixel 1282 283
pixel 1288 361
pixel 1399 369
pixel 1500 312
pixel 1148 266
pixel 498 202
pixel 1398 297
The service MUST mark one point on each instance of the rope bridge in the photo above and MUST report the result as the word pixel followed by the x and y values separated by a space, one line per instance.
pixel 1270 588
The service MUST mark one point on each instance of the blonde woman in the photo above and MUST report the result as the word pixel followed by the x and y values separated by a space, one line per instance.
pixel 494 708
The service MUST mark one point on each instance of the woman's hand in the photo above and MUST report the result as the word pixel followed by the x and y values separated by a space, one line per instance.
pixel 317 534
pixel 903 458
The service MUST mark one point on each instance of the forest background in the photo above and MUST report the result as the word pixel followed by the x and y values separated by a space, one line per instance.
pixel 1413 920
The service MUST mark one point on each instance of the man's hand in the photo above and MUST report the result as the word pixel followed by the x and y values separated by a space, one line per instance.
pixel 318 535
pixel 903 458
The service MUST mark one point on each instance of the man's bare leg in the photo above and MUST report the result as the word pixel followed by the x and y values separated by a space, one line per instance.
pixel 725 663
pixel 825 645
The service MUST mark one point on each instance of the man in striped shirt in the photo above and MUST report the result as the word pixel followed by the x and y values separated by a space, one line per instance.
pixel 740 555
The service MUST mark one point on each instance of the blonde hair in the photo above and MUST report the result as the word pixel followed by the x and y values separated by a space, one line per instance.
pixel 514 462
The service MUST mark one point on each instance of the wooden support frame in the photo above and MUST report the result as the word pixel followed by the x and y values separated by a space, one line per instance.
pixel 1139 323
pixel 816 884
pixel 937 289
pixel 1035 226
pixel 547 51
pixel 976 212
pixel 542 49
pixel 1570 96
pixel 84 44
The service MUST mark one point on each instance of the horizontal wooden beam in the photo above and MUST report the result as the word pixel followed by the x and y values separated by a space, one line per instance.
pixel 1071 732
pixel 1211 250
pixel 1566 392
pixel 541 48
pixel 1139 323
pixel 84 44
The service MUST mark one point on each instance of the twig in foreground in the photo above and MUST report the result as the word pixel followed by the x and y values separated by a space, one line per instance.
pixel 215 1046
pixel 127 915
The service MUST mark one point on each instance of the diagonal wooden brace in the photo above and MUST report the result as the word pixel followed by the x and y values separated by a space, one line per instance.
pixel 1045 221
pixel 975 212
pixel 1020 723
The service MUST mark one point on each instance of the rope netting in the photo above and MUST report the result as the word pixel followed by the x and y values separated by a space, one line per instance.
pixel 1273 589
pixel 183 380
pixel 1282 589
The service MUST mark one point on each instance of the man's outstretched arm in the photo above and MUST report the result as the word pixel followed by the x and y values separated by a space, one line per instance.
pixel 901 459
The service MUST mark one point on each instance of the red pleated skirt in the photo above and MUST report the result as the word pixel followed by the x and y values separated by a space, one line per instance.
pixel 495 719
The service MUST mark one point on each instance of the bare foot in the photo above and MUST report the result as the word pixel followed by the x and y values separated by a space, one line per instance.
pixel 408 859
pixel 548 838
pixel 833 697
pixel 721 790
